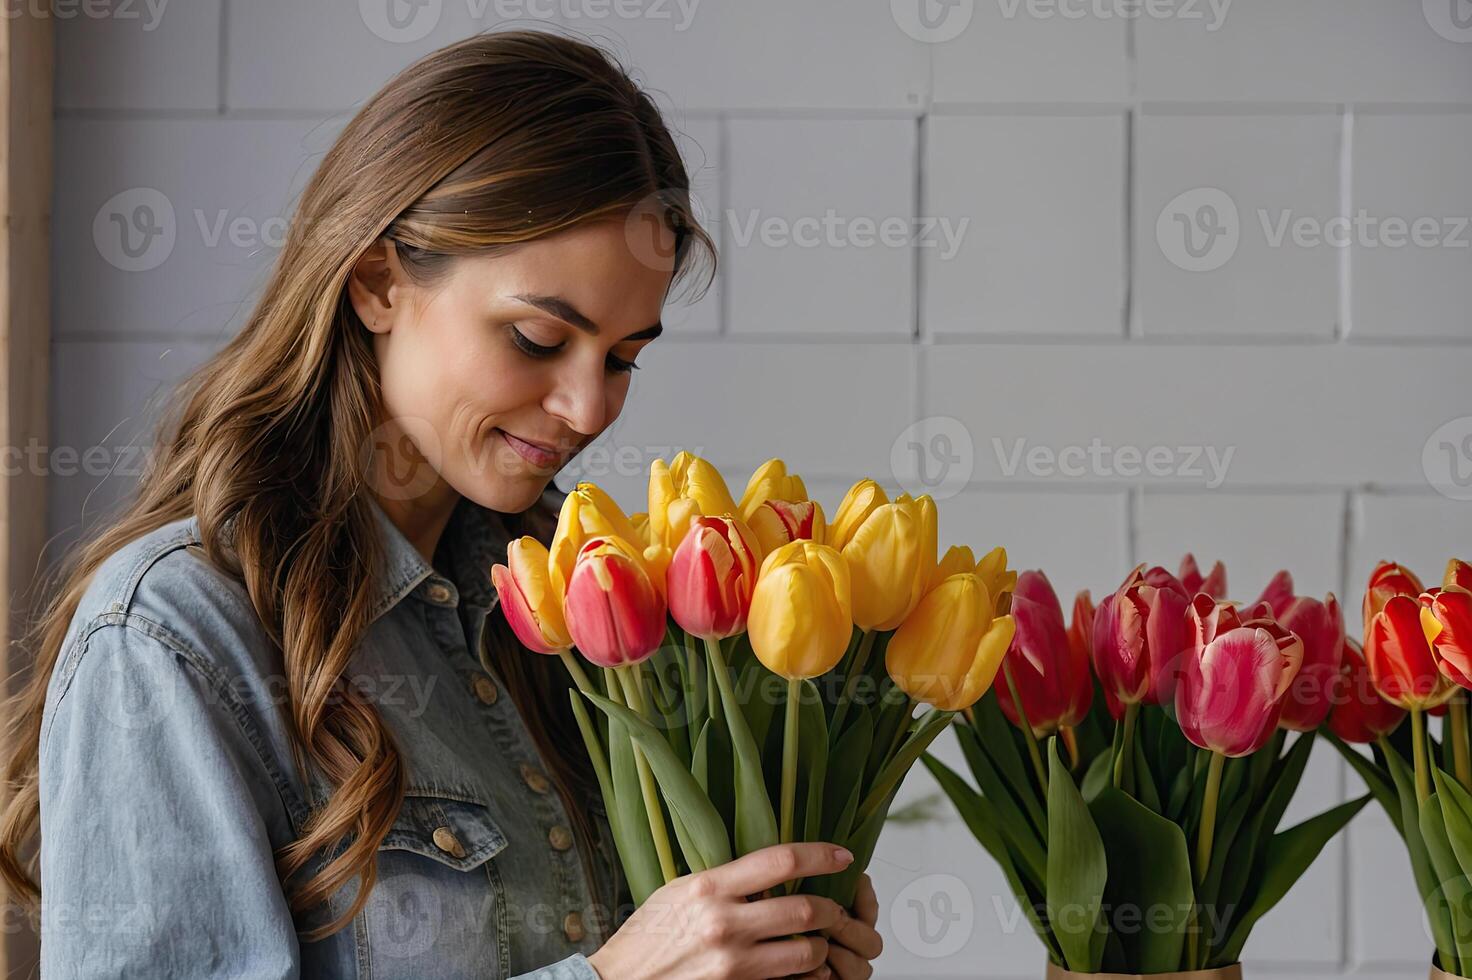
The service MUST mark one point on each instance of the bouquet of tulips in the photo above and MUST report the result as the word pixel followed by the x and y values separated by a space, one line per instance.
pixel 1132 767
pixel 688 627
pixel 1417 661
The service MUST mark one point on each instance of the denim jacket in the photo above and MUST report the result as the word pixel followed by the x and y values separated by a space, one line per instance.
pixel 167 782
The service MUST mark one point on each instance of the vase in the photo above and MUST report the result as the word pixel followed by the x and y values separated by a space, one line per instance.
pixel 1233 972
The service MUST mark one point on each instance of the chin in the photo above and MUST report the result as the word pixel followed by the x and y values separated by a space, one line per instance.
pixel 509 496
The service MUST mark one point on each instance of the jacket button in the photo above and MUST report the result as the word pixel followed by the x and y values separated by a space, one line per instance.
pixel 572 927
pixel 534 778
pixel 445 840
pixel 560 837
pixel 439 592
pixel 485 689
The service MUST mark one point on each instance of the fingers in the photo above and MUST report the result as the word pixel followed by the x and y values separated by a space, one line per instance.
pixel 773 917
pixel 857 936
pixel 786 957
pixel 848 965
pixel 866 902
pixel 754 873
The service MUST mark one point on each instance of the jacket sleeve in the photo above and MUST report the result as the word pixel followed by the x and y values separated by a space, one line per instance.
pixel 155 855
pixel 575 967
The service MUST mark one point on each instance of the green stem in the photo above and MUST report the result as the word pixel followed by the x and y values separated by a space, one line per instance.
pixel 789 758
pixel 1125 760
pixel 1457 716
pixel 856 670
pixel 1418 747
pixel 1032 740
pixel 579 676
pixel 652 806
pixel 1204 841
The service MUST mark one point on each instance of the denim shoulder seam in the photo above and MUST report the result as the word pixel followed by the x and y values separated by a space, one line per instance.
pixel 214 682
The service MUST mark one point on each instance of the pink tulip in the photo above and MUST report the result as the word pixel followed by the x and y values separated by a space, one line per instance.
pixel 711 577
pixel 1320 625
pixel 615 614
pixel 1234 681
pixel 1052 674
pixel 1214 584
pixel 1139 636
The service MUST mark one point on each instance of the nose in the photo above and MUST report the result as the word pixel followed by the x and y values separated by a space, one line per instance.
pixel 579 397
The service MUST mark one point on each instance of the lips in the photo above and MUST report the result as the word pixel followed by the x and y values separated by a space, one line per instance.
pixel 537 453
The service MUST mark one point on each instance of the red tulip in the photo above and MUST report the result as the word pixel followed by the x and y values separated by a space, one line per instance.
pixel 1388 579
pixel 1401 661
pixel 1458 575
pixel 1446 622
pixel 1231 691
pixel 711 577
pixel 1214 584
pixel 1051 673
pixel 1321 627
pixel 1139 635
pixel 1360 714
pixel 615 614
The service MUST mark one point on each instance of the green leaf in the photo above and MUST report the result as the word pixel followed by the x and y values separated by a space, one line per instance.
pixel 1096 777
pixel 1288 856
pixel 1438 913
pixel 1377 780
pixel 1009 799
pixel 931 724
pixel 681 791
pixel 1149 869
pixel 1453 881
pixel 982 820
pixel 756 822
pixel 812 759
pixel 1456 812
pixel 635 846
pixel 841 796
pixel 994 735
pixel 1077 870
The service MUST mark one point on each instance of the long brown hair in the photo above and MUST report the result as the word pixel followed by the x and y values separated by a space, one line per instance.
pixel 499 139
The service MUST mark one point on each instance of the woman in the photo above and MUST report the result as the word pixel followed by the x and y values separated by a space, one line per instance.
pixel 277 725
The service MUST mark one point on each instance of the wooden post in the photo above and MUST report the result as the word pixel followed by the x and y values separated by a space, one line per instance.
pixel 26 71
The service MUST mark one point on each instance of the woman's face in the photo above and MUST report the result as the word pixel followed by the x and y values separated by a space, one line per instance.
pixel 497 375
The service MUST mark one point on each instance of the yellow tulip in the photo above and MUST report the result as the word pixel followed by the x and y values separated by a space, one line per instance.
pixel 1000 580
pixel 948 651
pixel 801 616
pixel 891 557
pixel 958 558
pixel 860 501
pixel 588 511
pixel 532 607
pixel 771 481
pixel 685 488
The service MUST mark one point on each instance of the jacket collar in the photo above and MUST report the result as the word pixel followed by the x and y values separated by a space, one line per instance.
pixel 474 539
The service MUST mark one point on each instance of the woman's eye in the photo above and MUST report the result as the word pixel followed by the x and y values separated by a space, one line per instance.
pixel 618 365
pixel 531 347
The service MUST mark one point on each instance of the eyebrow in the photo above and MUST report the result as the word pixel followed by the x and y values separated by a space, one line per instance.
pixel 565 311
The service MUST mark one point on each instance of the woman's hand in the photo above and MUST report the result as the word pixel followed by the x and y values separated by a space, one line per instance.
pixel 703 926
pixel 853 941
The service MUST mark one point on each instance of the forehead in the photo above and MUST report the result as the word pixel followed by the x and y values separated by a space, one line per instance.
pixel 598 267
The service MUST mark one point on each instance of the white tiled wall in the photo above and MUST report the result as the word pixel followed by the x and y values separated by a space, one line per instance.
pixel 1075 377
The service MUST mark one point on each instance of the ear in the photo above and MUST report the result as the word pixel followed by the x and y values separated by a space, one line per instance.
pixel 371 286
